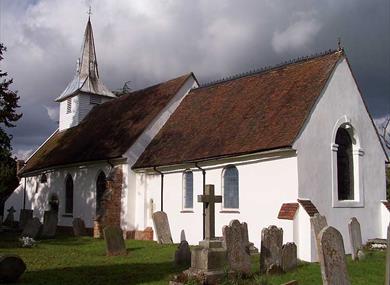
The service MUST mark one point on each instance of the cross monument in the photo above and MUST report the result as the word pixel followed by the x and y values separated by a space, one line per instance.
pixel 209 199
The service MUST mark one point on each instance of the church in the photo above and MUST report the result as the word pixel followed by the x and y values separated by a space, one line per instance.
pixel 279 144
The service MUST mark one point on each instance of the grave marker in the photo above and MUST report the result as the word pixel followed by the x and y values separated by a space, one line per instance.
pixel 79 227
pixel 11 268
pixel 50 221
pixel 183 254
pixel 289 256
pixel 271 250
pixel 10 219
pixel 24 217
pixel 115 244
pixel 355 236
pixel 161 225
pixel 32 228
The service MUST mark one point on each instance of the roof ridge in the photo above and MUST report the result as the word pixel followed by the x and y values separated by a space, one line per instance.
pixel 268 68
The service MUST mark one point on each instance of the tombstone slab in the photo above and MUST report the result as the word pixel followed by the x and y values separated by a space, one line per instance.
pixel 161 225
pixel 32 228
pixel 10 219
pixel 271 249
pixel 11 268
pixel 79 227
pixel 24 216
pixel 289 256
pixel 50 221
pixel 355 236
pixel 387 278
pixel 236 243
pixel 183 254
pixel 317 222
pixel 332 257
pixel 115 244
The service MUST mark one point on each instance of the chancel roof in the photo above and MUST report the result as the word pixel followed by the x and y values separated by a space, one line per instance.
pixel 87 73
pixel 261 111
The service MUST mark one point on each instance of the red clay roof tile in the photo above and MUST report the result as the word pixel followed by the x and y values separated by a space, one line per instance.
pixel 288 210
pixel 309 207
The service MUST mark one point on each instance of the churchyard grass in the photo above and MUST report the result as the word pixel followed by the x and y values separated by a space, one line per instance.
pixel 68 260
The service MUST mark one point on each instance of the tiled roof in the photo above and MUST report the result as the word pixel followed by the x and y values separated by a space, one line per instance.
pixel 108 130
pixel 387 204
pixel 308 206
pixel 256 112
pixel 288 210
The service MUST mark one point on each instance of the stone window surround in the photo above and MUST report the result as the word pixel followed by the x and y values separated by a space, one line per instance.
pixel 358 153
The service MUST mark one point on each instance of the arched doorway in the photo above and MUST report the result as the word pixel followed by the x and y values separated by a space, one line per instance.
pixel 101 186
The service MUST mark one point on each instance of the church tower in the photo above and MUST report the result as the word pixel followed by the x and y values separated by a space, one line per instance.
pixel 85 90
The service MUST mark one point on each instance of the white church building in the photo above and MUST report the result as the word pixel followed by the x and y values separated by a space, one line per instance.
pixel 278 144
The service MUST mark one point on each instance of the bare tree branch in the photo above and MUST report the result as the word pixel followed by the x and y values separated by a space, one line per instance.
pixel 385 132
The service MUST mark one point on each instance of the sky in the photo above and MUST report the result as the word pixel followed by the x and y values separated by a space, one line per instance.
pixel 150 41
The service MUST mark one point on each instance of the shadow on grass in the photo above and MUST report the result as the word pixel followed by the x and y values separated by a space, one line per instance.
pixel 111 274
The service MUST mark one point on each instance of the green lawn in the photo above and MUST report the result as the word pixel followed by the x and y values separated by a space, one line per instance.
pixel 69 260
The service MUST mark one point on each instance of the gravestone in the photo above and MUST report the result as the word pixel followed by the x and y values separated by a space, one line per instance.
pixel 332 257
pixel 317 222
pixel 32 228
pixel 10 219
pixel 236 243
pixel 50 221
pixel 115 244
pixel 11 268
pixel 271 250
pixel 355 236
pixel 183 254
pixel 289 256
pixel 182 235
pixel 79 227
pixel 161 225
pixel 387 277
pixel 24 217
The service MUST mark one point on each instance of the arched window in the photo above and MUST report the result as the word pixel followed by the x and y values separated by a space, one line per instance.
pixel 101 186
pixel 230 187
pixel 345 178
pixel 69 194
pixel 188 189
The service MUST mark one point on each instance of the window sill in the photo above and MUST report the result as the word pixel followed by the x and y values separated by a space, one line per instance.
pixel 67 215
pixel 348 204
pixel 229 211
pixel 186 211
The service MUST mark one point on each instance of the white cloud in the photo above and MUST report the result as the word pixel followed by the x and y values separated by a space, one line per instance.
pixel 52 112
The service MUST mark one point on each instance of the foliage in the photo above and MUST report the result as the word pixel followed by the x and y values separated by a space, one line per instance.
pixel 69 260
pixel 8 116
pixel 27 242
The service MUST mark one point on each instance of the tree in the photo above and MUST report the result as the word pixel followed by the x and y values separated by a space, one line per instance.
pixel 8 115
pixel 384 133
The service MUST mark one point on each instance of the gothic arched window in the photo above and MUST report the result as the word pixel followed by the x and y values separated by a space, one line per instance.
pixel 68 194
pixel 188 189
pixel 345 178
pixel 101 186
pixel 230 187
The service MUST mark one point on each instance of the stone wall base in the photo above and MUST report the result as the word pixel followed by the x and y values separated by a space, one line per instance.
pixel 64 230
pixel 146 234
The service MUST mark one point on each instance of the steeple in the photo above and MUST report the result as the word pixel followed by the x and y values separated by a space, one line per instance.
pixel 86 79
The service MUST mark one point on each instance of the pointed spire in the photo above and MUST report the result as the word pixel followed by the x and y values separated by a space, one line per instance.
pixel 87 73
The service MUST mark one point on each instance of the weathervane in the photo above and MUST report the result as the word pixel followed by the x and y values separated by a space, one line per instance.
pixel 89 12
pixel 339 43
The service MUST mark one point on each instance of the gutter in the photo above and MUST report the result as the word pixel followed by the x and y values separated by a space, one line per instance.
pixel 162 189
pixel 204 205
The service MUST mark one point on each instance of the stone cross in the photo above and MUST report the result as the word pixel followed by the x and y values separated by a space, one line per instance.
pixel 209 199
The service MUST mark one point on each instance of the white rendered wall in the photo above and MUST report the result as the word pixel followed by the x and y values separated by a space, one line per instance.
pixel 84 193
pixel 340 99
pixel 264 185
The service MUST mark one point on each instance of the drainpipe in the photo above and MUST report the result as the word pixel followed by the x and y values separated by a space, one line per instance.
pixel 162 187
pixel 204 205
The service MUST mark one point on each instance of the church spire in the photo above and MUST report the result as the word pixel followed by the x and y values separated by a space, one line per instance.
pixel 87 74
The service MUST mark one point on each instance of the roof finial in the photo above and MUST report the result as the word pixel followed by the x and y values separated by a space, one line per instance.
pixel 89 12
pixel 339 48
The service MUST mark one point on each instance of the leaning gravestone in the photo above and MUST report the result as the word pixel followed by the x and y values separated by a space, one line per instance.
pixel 387 282
pixel 317 222
pixel 115 244
pixel 24 216
pixel 50 221
pixel 332 257
pixel 236 243
pixel 10 219
pixel 355 236
pixel 79 227
pixel 32 229
pixel 11 268
pixel 271 250
pixel 183 254
pixel 289 256
pixel 161 225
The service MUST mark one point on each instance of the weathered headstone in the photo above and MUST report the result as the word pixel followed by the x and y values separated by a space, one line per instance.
pixel 317 222
pixel 387 278
pixel 10 219
pixel 79 227
pixel 24 217
pixel 50 221
pixel 182 235
pixel 183 254
pixel 332 257
pixel 32 228
pixel 355 236
pixel 236 242
pixel 271 250
pixel 289 256
pixel 115 244
pixel 11 268
pixel 161 225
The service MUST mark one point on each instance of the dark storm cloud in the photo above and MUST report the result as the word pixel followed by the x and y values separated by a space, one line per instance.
pixel 150 41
